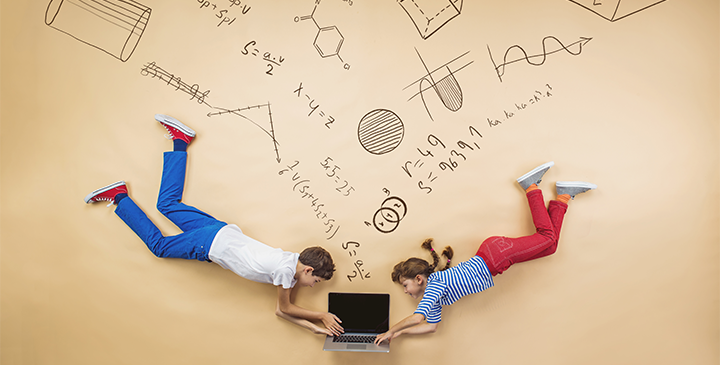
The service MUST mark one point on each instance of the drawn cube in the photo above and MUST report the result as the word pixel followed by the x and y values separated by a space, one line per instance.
pixel 431 15
pixel 613 10
pixel 328 41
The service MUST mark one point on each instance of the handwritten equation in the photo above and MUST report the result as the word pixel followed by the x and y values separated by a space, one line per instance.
pixel 439 156
pixel 154 71
pixel 224 14
pixel 537 96
pixel 351 247
pixel 331 171
pixel 272 61
pixel 304 189
pixel 313 106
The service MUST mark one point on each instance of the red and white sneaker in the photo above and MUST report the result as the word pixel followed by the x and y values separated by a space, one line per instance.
pixel 107 193
pixel 176 129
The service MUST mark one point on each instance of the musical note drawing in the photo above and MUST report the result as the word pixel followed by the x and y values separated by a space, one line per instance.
pixel 380 131
pixel 614 10
pixel 112 26
pixel 500 69
pixel 447 87
pixel 431 15
pixel 242 113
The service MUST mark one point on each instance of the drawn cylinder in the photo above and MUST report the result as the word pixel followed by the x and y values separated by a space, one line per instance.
pixel 113 26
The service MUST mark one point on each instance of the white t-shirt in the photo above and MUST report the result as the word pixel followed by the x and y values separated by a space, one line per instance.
pixel 252 259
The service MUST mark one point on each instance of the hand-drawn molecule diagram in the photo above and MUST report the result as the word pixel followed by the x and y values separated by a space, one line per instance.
pixel 328 40
pixel 391 212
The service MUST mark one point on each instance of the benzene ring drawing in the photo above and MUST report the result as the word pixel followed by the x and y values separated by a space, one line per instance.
pixel 380 131
pixel 391 212
pixel 112 26
pixel 431 15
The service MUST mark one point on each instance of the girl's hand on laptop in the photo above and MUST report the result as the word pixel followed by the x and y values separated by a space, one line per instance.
pixel 385 336
pixel 332 323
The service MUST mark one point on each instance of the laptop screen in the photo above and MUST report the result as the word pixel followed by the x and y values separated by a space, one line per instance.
pixel 361 312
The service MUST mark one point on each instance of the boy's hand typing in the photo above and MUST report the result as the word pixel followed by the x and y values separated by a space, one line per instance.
pixel 332 323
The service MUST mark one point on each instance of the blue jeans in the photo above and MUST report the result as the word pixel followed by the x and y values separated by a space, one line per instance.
pixel 199 228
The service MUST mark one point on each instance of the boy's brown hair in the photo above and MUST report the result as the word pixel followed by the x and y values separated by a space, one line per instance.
pixel 320 260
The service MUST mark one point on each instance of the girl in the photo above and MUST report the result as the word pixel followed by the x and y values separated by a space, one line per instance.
pixel 495 255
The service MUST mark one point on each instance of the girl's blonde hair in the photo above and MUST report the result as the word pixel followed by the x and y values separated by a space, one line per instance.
pixel 414 266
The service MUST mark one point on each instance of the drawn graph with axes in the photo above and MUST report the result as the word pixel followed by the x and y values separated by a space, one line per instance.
pixel 260 115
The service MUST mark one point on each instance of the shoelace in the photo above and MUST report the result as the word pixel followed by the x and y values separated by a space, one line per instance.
pixel 170 133
pixel 104 198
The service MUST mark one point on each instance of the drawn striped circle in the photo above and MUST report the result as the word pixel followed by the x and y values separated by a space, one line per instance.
pixel 380 131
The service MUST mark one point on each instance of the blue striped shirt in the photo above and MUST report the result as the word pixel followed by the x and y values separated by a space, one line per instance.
pixel 447 286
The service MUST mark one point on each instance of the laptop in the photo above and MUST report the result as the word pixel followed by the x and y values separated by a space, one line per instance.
pixel 363 316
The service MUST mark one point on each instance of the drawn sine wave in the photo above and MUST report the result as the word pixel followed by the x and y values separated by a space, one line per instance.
pixel 380 131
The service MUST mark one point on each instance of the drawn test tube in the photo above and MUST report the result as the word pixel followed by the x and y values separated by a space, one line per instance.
pixel 112 26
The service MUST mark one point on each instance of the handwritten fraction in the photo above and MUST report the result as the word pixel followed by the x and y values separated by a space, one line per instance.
pixel 445 86
pixel 500 68
pixel 112 26
pixel 250 49
pixel 430 16
pixel 380 131
pixel 328 40
pixel 614 10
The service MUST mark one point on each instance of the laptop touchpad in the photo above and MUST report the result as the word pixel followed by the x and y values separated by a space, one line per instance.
pixel 356 347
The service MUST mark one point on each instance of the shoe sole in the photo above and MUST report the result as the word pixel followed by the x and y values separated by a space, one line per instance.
pixel 575 184
pixel 175 124
pixel 102 190
pixel 546 165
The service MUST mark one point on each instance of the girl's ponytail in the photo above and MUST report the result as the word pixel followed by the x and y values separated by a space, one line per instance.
pixel 414 266
pixel 447 252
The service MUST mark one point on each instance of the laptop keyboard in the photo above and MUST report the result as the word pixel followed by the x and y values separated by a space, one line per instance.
pixel 355 338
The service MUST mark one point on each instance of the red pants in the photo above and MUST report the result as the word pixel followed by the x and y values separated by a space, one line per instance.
pixel 499 253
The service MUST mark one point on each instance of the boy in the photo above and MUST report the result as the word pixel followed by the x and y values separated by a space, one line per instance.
pixel 205 238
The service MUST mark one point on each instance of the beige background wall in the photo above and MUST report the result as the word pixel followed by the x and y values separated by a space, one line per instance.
pixel 635 279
